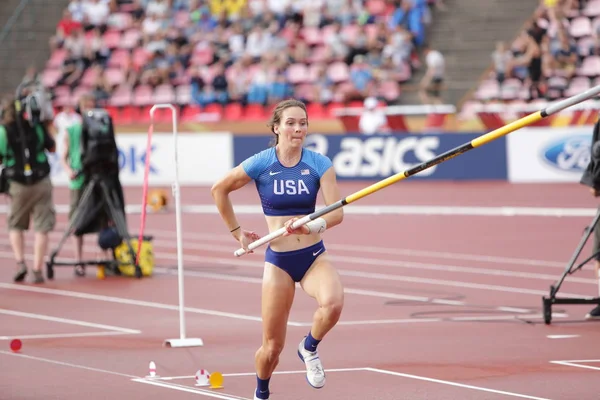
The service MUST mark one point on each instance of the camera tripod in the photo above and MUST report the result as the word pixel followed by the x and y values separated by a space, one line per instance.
pixel 552 299
pixel 84 214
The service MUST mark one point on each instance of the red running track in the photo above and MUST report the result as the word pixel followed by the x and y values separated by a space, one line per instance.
pixel 437 307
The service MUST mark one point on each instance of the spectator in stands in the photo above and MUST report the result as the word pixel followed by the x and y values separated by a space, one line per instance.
pixel 372 120
pixel 337 44
pixel 72 70
pixel 502 59
pixel 220 85
pixel 361 77
pixel 64 30
pixel 564 60
pixel 237 83
pixel 101 89
pixel 179 35
pixel 532 59
pixel 324 85
pixel 76 46
pixel 359 44
pixel 157 8
pixel 432 82
pixel 95 14
pixel 258 42
pixel 96 51
pixel 279 88
pixel 258 91
pixel 399 47
pixel 77 10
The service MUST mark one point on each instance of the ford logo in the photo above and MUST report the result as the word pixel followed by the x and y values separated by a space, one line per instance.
pixel 568 154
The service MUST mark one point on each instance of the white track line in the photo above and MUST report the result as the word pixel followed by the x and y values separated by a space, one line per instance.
pixel 66 364
pixel 561 336
pixel 384 210
pixel 457 319
pixel 68 321
pixel 391 251
pixel 122 300
pixel 355 291
pixel 187 389
pixel 576 364
pixel 169 245
pixel 132 377
pixel 299 372
pixel 170 255
pixel 461 385
pixel 191 236
pixel 391 277
pixel 62 335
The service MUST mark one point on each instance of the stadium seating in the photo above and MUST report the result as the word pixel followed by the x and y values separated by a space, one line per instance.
pixel 132 78
pixel 582 27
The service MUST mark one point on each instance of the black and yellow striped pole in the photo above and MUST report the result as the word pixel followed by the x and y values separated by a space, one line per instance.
pixel 477 142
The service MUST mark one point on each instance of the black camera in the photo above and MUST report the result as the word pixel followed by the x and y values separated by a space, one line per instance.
pixel 99 151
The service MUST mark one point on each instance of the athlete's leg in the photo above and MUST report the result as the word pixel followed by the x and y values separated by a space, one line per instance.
pixel 278 291
pixel 323 283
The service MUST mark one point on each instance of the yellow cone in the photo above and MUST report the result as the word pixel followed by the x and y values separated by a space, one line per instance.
pixel 216 380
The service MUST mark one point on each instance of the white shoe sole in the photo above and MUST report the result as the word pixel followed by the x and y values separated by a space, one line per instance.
pixel 302 358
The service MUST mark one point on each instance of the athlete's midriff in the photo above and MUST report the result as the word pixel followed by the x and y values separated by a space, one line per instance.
pixel 292 242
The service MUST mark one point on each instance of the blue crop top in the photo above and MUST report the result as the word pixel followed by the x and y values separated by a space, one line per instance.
pixel 287 190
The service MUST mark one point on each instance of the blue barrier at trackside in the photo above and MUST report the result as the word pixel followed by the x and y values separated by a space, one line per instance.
pixel 359 157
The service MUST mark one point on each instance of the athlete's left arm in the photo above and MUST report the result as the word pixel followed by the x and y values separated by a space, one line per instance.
pixel 331 194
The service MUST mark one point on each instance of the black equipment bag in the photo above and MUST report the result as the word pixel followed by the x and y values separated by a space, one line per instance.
pixel 591 175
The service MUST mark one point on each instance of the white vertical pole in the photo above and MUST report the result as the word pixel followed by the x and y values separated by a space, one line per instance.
pixel 183 341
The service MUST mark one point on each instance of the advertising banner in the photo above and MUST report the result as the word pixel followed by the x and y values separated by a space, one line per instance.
pixel 548 155
pixel 358 157
pixel 202 158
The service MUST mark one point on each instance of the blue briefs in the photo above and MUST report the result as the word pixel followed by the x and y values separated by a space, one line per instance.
pixel 295 262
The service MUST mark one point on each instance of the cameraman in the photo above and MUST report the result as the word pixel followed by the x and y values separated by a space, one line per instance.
pixel 73 165
pixel 591 178
pixel 595 312
pixel 23 146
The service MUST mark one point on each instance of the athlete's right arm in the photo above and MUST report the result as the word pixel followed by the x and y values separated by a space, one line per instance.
pixel 233 180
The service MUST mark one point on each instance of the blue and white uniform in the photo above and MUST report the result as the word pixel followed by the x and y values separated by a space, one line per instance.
pixel 289 191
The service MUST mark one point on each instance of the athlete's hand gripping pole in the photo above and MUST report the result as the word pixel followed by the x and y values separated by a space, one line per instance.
pixel 477 142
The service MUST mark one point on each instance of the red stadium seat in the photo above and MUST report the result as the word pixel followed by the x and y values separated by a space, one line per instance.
pixel 164 94
pixel 254 112
pixel 297 73
pixel 580 27
pixel 121 96
pixel 130 55
pixel 142 95
pixel 591 8
pixel 112 38
pixel 57 58
pixel 233 112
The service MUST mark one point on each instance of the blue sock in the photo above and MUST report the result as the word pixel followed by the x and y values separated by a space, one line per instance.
pixel 311 343
pixel 262 388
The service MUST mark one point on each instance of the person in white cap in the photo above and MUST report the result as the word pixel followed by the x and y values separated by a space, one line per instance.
pixel 372 120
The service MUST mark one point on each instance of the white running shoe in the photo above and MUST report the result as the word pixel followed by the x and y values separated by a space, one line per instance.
pixel 315 374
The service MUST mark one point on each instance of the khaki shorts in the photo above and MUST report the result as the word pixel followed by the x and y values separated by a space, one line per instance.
pixel 32 200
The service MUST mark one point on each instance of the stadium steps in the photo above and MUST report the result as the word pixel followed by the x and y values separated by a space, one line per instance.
pixel 466 34
pixel 27 41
